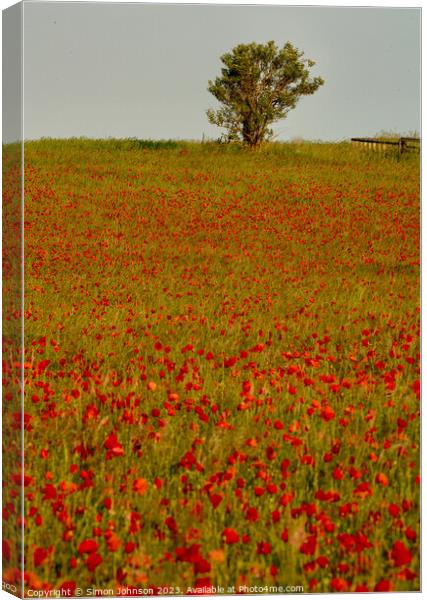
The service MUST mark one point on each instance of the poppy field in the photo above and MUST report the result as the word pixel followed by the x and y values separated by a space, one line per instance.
pixel 221 370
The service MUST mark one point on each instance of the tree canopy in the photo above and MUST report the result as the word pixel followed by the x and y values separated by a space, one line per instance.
pixel 259 85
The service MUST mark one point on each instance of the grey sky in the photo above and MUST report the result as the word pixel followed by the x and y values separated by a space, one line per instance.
pixel 12 74
pixel 135 70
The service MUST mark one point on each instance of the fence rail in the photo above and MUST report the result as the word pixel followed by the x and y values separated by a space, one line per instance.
pixel 403 143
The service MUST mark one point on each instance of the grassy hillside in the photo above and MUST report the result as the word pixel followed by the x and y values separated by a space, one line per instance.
pixel 222 367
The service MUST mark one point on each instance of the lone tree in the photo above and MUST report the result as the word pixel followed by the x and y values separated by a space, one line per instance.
pixel 259 85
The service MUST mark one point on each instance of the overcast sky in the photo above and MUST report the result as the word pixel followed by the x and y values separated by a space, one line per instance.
pixel 135 70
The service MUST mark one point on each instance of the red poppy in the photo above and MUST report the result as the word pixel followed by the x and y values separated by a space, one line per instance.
pixel 140 486
pixel 215 499
pixel 69 587
pixel 129 547
pixel 400 554
pixel 384 585
pixel 87 547
pixel 40 555
pixel 339 584
pixel 309 546
pixel 252 514
pixel 230 536
pixel 263 548
pixel 113 445
pixel 93 561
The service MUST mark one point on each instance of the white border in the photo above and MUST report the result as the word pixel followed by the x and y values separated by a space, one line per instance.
pixel 349 3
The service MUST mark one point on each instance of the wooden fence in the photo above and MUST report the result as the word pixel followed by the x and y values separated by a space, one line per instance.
pixel 403 144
